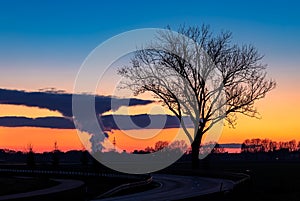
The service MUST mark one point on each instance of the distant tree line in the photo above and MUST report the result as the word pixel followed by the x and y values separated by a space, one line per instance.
pixel 181 146
pixel 55 157
pixel 255 145
pixel 266 145
pixel 177 145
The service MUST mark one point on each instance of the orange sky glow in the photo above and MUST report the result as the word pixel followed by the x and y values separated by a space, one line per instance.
pixel 279 121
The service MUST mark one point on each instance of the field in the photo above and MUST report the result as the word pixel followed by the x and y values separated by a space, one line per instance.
pixel 269 181
pixel 12 185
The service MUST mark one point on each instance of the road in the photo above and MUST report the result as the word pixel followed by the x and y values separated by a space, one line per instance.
pixel 174 187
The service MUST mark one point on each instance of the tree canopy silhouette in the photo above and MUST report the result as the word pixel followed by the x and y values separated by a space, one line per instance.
pixel 203 75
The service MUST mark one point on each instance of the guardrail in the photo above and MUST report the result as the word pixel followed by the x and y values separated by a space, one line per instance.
pixel 246 178
pixel 124 187
pixel 236 184
pixel 71 173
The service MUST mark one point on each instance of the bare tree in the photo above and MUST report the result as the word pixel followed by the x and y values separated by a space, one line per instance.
pixel 200 74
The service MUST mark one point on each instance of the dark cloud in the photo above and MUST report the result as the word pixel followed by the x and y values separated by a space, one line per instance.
pixel 144 121
pixel 108 122
pixel 42 122
pixel 61 102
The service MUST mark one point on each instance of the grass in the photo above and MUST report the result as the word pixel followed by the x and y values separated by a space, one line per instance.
pixel 93 186
pixel 12 185
pixel 270 181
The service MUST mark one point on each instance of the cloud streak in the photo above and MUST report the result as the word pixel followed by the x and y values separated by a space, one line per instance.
pixel 142 121
pixel 42 122
pixel 62 102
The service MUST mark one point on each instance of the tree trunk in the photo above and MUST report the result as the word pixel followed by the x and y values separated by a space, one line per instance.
pixel 195 149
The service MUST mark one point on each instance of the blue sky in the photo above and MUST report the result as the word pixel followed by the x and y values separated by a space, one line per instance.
pixel 40 39
pixel 44 43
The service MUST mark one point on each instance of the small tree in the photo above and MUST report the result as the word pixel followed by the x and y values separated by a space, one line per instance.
pixel 179 70
pixel 298 146
pixel 218 149
pixel 179 145
pixel 149 149
pixel 159 145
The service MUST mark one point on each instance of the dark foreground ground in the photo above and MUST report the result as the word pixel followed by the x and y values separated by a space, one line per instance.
pixel 12 185
pixel 278 181
pixel 20 182
pixel 269 181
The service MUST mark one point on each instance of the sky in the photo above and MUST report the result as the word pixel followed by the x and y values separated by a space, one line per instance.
pixel 44 43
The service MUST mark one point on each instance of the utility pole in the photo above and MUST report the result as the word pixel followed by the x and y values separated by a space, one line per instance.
pixel 114 143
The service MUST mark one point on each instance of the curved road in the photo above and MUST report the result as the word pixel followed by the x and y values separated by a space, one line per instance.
pixel 174 187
